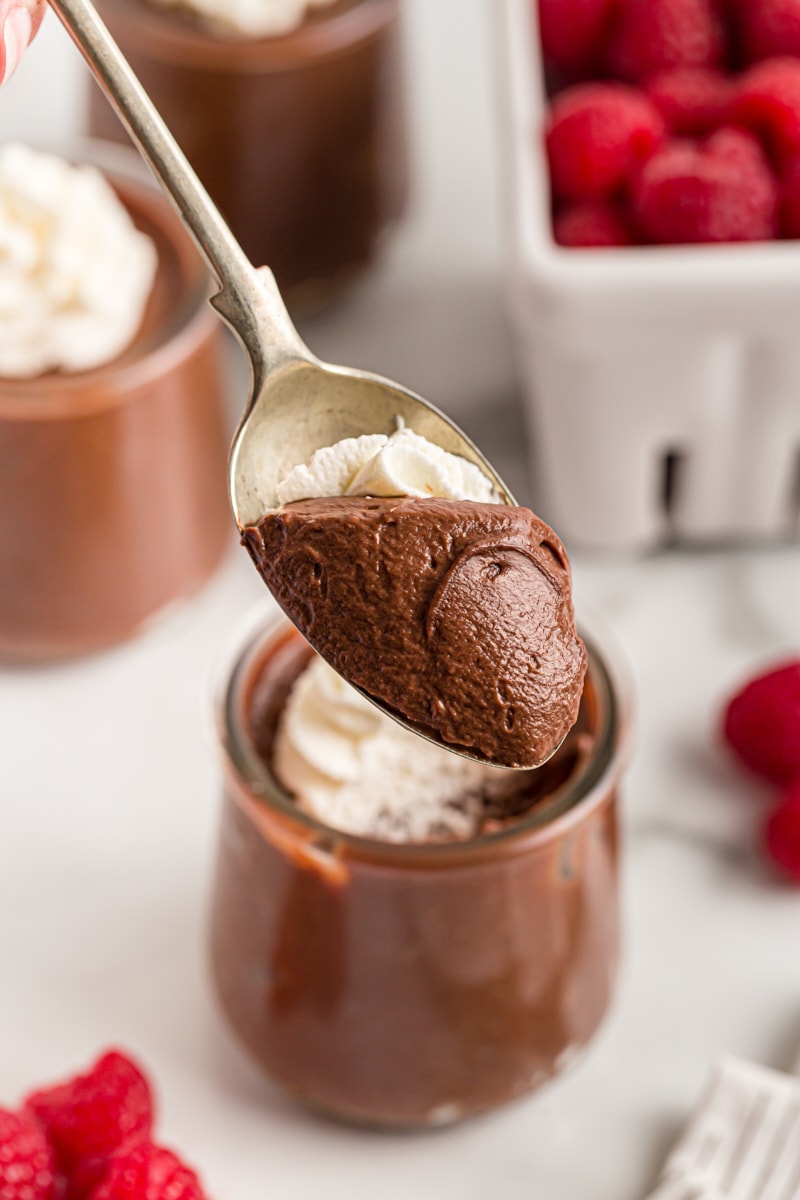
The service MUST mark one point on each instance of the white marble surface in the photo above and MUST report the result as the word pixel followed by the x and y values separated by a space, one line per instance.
pixel 108 778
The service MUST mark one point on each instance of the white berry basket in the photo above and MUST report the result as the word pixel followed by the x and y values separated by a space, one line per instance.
pixel 662 384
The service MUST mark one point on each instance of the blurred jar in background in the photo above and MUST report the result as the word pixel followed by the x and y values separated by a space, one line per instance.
pixel 113 501
pixel 299 136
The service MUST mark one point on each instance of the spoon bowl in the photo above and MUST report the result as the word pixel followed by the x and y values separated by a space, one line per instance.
pixel 300 404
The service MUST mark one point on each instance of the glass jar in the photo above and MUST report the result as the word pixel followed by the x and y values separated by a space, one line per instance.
pixel 300 138
pixel 413 985
pixel 113 497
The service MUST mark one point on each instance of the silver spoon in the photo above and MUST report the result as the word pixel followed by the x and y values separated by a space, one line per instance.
pixel 297 403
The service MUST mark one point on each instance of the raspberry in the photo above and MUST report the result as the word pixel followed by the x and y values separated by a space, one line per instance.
pixel 573 33
pixel 148 1172
pixel 92 1115
pixel 597 135
pixel 790 201
pixel 762 723
pixel 655 35
pixel 722 191
pixel 767 101
pixel 692 100
pixel 769 28
pixel 27 1163
pixel 782 833
pixel 740 148
pixel 591 224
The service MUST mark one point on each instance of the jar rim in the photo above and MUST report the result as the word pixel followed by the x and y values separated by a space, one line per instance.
pixel 327 34
pixel 547 819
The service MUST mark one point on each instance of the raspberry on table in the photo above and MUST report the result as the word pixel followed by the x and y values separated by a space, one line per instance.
pixel 782 833
pixel 92 1115
pixel 761 723
pixel 148 1172
pixel 769 28
pixel 656 35
pixel 597 135
pixel 693 101
pixel 721 191
pixel 766 101
pixel 573 33
pixel 593 223
pixel 27 1162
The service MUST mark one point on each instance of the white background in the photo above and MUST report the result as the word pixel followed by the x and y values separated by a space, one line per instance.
pixel 109 784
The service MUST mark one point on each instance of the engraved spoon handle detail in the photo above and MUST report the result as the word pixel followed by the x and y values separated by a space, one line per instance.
pixel 249 300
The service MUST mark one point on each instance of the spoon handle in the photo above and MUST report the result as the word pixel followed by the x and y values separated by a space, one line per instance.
pixel 249 299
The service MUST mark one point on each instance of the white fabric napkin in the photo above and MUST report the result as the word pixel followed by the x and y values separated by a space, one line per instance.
pixel 743 1142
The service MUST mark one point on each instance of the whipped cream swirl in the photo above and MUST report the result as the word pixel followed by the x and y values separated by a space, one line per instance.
pixel 75 272
pixel 403 464
pixel 352 767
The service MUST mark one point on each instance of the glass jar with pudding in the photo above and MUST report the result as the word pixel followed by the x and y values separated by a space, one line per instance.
pixel 106 470
pixel 416 940
pixel 291 113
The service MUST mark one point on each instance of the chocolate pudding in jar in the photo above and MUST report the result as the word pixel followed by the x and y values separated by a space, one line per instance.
pixel 104 470
pixel 454 953
pixel 298 135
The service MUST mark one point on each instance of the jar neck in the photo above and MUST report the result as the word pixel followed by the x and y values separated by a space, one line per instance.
pixel 590 784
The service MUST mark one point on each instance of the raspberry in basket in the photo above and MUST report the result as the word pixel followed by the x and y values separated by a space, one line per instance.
pixel 655 35
pixel 573 32
pixel 593 223
pixel 769 27
pixel 790 200
pixel 767 101
pixel 597 136
pixel 722 191
pixel 693 101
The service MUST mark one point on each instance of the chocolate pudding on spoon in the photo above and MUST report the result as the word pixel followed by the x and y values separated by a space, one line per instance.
pixel 452 610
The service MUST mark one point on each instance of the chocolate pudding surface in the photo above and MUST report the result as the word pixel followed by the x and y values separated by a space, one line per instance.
pixel 408 985
pixel 456 615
